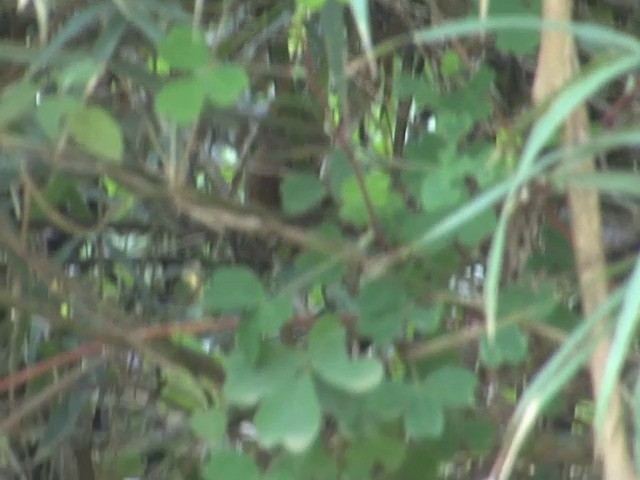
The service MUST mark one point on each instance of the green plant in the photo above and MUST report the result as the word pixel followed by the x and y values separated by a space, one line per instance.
pixel 326 235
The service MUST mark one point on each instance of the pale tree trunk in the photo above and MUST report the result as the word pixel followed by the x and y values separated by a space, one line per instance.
pixel 557 63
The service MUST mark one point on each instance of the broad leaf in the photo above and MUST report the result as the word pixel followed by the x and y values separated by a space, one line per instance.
pixel 301 192
pixel 327 345
pixel 231 289
pixel 382 305
pixel 184 48
pixel 97 132
pixel 290 416
pixel 246 384
pixel 224 83
pixel 181 100
pixel 424 417
pixel 451 386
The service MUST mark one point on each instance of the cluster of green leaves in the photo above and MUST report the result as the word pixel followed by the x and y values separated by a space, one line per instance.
pixel 182 99
pixel 319 410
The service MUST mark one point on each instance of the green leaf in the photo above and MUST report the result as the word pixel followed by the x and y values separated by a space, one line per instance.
pixel 17 99
pixel 382 304
pixel 301 192
pixel 439 192
pixel 79 73
pixel 450 63
pixel 515 40
pixel 316 463
pixel 246 384
pixel 311 4
pixel 451 386
pixel 425 150
pixel 231 289
pixel 248 339
pixel 334 34
pixel 535 302
pixel 476 434
pixel 52 110
pixel 510 347
pixel 384 202
pixel 97 132
pixel 230 465
pixel 424 417
pixel 387 401
pixel 317 267
pixel 209 425
pixel 184 48
pixel 478 228
pixel 290 416
pixel 181 100
pixel 124 464
pixel 426 319
pixel 327 344
pixel 338 170
pixel 62 193
pixel 224 83
pixel 273 313
pixel 183 389
pixel 365 455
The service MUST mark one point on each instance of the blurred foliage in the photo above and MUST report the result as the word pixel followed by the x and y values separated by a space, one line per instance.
pixel 247 239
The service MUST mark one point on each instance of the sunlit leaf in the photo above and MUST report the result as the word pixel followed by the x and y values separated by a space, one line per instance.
pixel 383 201
pixel 181 100
pixel 224 83
pixel 184 48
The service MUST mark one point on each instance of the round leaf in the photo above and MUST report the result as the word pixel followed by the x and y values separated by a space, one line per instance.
pixel 245 384
pixel 274 313
pixel 224 83
pixel 97 132
pixel 451 386
pixel 233 288
pixel 381 304
pixel 424 417
pixel 301 192
pixel 509 346
pixel 290 417
pixel 384 201
pixel 184 48
pixel 330 361
pixel 180 100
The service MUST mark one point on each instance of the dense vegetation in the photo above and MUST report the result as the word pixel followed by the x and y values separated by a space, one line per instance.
pixel 319 239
